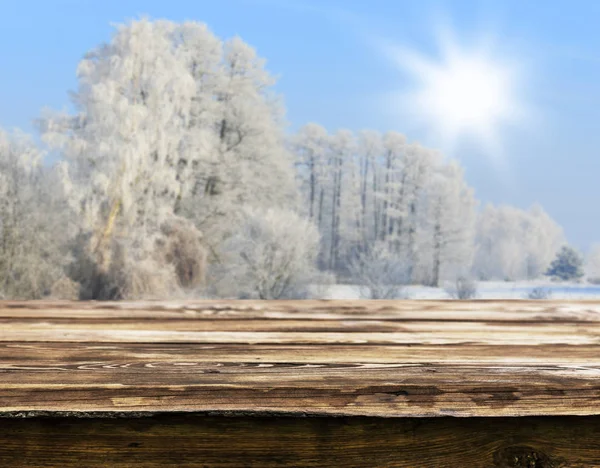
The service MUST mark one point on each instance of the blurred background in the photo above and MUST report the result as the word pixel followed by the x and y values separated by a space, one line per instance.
pixel 298 149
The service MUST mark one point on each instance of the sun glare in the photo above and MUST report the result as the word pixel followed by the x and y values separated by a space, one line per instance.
pixel 465 94
pixel 461 94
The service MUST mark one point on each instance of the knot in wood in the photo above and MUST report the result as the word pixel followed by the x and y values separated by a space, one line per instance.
pixel 521 456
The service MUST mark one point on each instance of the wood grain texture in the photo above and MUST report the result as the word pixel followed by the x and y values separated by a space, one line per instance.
pixel 408 359
pixel 176 440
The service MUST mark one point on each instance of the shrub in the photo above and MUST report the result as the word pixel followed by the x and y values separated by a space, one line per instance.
pixel 381 274
pixel 272 255
pixel 163 265
pixel 321 285
pixel 181 246
pixel 539 293
pixel 65 288
pixel 567 266
pixel 462 289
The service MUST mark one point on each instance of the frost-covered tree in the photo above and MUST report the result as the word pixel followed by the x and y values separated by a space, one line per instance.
pixel 342 203
pixel 513 244
pixel 405 213
pixel 272 255
pixel 592 263
pixel 310 146
pixel 568 265
pixel 372 188
pixel 370 147
pixel 394 189
pixel 170 122
pixel 451 222
pixel 243 160
pixel 33 221
pixel 122 144
pixel 499 243
pixel 543 236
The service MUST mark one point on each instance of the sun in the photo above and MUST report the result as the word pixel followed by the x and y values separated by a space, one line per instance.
pixel 464 93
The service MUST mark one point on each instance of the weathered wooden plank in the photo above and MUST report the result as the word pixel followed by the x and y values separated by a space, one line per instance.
pixel 411 310
pixel 499 337
pixel 30 353
pixel 190 441
pixel 64 360
pixel 385 390
pixel 10 327
pixel 299 331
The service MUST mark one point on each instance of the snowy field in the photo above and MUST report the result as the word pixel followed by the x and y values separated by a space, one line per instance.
pixel 486 290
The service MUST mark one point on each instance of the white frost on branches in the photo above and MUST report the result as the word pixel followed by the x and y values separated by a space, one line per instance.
pixel 272 255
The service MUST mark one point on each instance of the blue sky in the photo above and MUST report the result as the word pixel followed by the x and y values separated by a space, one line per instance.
pixel 331 71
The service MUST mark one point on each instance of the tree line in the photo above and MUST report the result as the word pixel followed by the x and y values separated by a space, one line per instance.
pixel 174 175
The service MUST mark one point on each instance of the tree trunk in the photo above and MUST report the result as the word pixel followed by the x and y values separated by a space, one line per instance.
pixel 312 187
pixel 376 203
pixel 363 199
pixel 387 191
pixel 103 244
pixel 437 237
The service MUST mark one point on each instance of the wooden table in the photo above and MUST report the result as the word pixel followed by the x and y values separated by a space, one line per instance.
pixel 300 383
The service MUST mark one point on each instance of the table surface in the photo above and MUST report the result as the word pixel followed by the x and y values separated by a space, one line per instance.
pixel 370 358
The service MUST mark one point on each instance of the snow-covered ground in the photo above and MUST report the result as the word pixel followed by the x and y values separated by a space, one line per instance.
pixel 485 290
